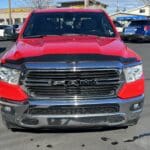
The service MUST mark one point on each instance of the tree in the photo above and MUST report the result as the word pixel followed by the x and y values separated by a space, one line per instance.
pixel 35 3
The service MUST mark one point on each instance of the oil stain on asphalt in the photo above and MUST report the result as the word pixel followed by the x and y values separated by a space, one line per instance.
pixel 49 146
pixel 106 139
pixel 38 145
pixel 115 143
pixel 137 137
pixel 31 139
pixel 133 139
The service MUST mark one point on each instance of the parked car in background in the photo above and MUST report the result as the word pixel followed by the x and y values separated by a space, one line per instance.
pixel 10 33
pixel 2 31
pixel 137 30
pixel 18 28
pixel 119 26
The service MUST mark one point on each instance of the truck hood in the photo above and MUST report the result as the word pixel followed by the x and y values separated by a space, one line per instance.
pixel 36 49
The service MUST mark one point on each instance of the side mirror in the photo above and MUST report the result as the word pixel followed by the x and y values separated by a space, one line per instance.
pixel 2 49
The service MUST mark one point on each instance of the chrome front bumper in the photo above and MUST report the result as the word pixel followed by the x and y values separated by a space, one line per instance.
pixel 17 113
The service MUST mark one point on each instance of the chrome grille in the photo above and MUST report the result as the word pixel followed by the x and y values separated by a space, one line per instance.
pixel 74 110
pixel 83 84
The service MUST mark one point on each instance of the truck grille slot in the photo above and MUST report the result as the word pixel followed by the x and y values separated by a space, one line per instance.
pixel 43 84
pixel 75 110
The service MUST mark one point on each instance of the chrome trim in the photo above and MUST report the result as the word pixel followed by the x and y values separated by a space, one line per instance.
pixel 70 120
pixel 74 66
pixel 76 116
pixel 78 124
pixel 45 103
pixel 10 103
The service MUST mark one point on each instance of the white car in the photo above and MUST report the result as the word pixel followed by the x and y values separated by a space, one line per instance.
pixel 2 30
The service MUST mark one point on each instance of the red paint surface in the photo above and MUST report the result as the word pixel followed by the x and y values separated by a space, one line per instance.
pixel 68 45
pixel 132 89
pixel 12 92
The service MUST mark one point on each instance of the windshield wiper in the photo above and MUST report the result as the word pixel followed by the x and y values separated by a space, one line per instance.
pixel 78 34
pixel 70 34
pixel 34 36
pixel 40 36
pixel 64 34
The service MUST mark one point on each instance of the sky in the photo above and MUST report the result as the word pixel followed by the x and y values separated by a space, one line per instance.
pixel 123 4
pixel 4 3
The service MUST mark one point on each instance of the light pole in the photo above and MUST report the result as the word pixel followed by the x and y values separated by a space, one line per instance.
pixel 9 6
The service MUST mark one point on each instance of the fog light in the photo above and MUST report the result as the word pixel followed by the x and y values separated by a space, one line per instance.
pixel 136 106
pixel 7 109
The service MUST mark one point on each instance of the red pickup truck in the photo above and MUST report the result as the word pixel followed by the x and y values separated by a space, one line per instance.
pixel 69 68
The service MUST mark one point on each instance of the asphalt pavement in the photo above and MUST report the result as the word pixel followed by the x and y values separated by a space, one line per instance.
pixel 132 138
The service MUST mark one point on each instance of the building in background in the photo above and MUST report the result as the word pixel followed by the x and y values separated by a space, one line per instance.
pixel 18 15
pixel 80 4
pixel 142 11
pixel 121 5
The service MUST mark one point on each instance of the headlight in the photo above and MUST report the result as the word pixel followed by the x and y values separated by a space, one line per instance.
pixel 133 73
pixel 9 75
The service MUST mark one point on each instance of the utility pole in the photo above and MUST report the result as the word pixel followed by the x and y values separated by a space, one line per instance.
pixel 86 3
pixel 9 6
pixel 117 10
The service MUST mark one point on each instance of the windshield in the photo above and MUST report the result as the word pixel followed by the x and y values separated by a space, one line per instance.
pixel 117 24
pixel 139 23
pixel 3 26
pixel 42 24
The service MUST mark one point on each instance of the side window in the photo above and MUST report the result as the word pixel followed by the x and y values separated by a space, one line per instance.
pixel 142 11
pixel 107 28
pixel 29 27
